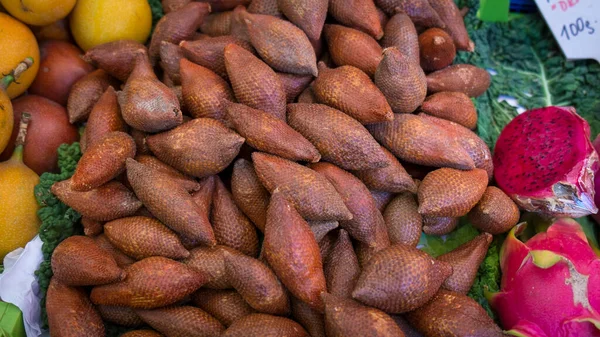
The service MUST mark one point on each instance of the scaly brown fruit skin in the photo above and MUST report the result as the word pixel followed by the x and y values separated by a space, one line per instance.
pixel 449 192
pixel 399 279
pixel 392 178
pixel 357 14
pixel 495 213
pixel 62 302
pixel 292 251
pixel 310 192
pixel 116 58
pixel 91 227
pixel 105 117
pixel 309 15
pixel 339 138
pixel 209 261
pixel 341 267
pixel 294 85
pixel 382 17
pixel 169 202
pixel 182 321
pixel 120 315
pixel 85 93
pixel 170 55
pixel 434 225
pixel 267 133
pixel 142 333
pixel 217 24
pixel 345 317
pixel 204 92
pixel 223 5
pixel 261 325
pixel 403 221
pixel 400 32
pixel 266 7
pixel 120 257
pixel 103 161
pixel 146 103
pixel 312 320
pixel 382 198
pixel 402 81
pixel 238 26
pixel 209 52
pixel 465 78
pixel 307 96
pixel 191 148
pixel 465 261
pixel 436 48
pixel 108 202
pixel 351 91
pixel 225 305
pixel 408 330
pixel 352 47
pixel 326 244
pixel 455 24
pixel 249 193
pixel 254 83
pixel 173 5
pixel 419 11
pixel 142 237
pixel 452 314
pixel 140 141
pixel 321 228
pixel 256 283
pixel 150 283
pixel 418 140
pixel 178 26
pixel 190 184
pixel 453 106
pixel 283 46
pixel 79 261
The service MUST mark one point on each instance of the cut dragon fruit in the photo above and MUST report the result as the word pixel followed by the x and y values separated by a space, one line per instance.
pixel 545 162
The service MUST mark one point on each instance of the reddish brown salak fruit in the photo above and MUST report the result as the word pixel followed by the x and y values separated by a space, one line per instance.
pixel 434 225
pixel 141 333
pixel 357 14
pixel 340 138
pixel 261 325
pixel 465 78
pixel 495 213
pixel 102 161
pixel 104 118
pixel 400 278
pixel 200 147
pixel 403 221
pixel 238 26
pixel 249 193
pixel 382 16
pixel 182 321
pixel 85 93
pixel 309 15
pixel 401 80
pixel 292 251
pixel 465 261
pixel 341 267
pixel 70 312
pixel 92 227
pixel 178 26
pixel 150 283
pixel 352 47
pixel 173 5
pixel 294 84
pixel 170 55
pixel 283 46
pixel 190 184
pixel 223 5
pixel 452 314
pixel 400 32
pixel 254 83
pixel 116 58
pixel 79 261
pixel 170 202
pixel 225 305
pixel 140 141
pixel 351 91
pixel 108 202
pixel 256 283
pixel 209 261
pixel 419 11
pixel 382 198
pixel 266 7
pixel 312 320
pixel 120 315
pixel 217 24
pixel 453 106
pixel 408 330
pixel 120 257
pixel 455 24
pixel 436 48
pixel 310 192
pixel 321 228
pixel 346 317
pixel 418 140
pixel 209 52
pixel 448 192
pixel 392 178
pixel 204 92
pixel 141 237
pixel 267 133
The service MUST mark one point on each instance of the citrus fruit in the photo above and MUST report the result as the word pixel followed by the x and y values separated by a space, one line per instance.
pixel 38 12
pixel 6 120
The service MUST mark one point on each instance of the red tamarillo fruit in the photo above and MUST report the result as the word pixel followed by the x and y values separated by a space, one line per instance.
pixel 120 257
pixel 448 192
pixel 85 93
pixel 120 315
pixel 187 182
pixel 436 48
pixel 209 261
pixel 357 14
pixel 92 227
pixel 249 193
pixel 266 7
pixel 116 58
pixel 341 267
pixel 182 321
pixel 453 106
pixel 352 47
pixel 310 192
pixel 402 81
pixel 400 32
pixel 191 148
pixel 309 15
pixel 455 24
pixel 261 325
pixel 294 84
pixel 312 320
pixel 419 11
pixel 403 221
pixel 495 213
pixel 434 225
pixel 321 228
pixel 392 178
pixel 254 83
pixel 105 117
pixel 351 91
pixel 208 52
pixel 465 78
pixel 61 302
pixel 170 55
pixel 224 305
pixel 217 24
pixel 108 202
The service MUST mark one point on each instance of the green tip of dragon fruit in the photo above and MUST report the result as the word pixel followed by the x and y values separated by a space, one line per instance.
pixel 545 162
pixel 550 284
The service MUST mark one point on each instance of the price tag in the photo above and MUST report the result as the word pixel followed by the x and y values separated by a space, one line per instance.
pixel 575 25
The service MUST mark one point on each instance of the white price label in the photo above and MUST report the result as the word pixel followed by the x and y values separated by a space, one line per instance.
pixel 575 25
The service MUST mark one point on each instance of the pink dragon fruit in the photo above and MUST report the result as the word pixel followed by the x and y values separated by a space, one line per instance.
pixel 550 285
pixel 545 162
pixel 597 181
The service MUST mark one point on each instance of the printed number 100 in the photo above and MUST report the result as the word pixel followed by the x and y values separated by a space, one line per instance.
pixel 579 26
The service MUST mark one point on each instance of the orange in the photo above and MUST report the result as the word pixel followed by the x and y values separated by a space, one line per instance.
pixel 6 120
pixel 38 12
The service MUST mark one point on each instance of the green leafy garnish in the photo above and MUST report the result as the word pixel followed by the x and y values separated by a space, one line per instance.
pixel 488 276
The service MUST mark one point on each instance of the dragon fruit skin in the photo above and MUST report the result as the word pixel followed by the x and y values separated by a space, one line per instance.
pixel 550 285
pixel 545 162
pixel 596 216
